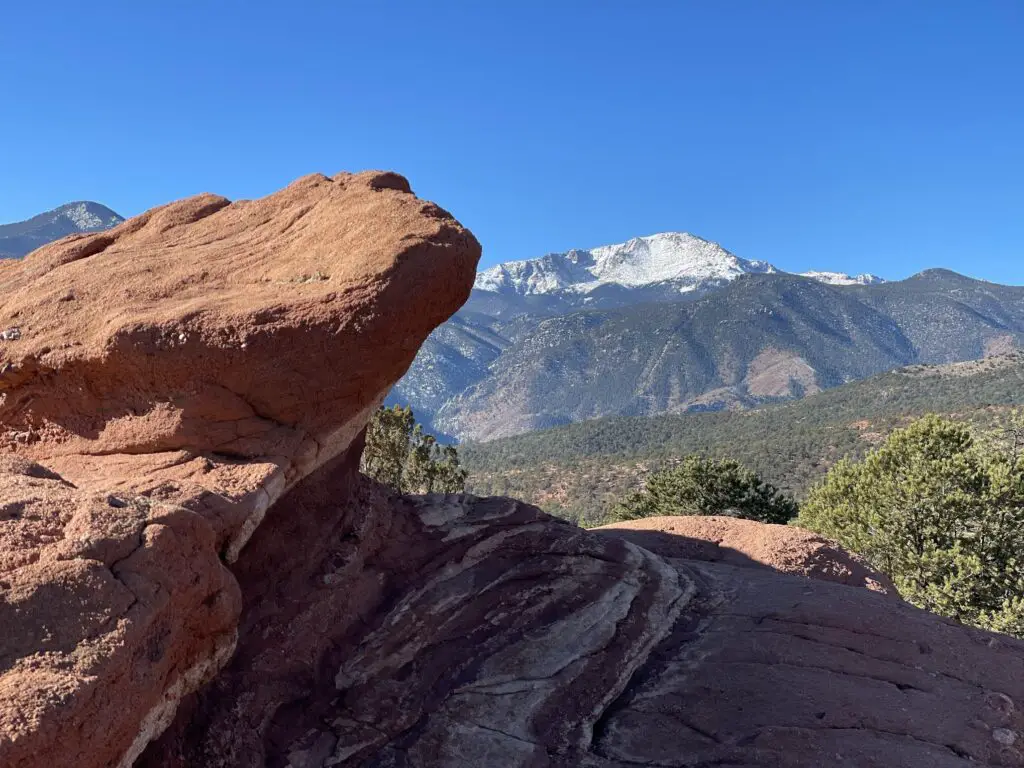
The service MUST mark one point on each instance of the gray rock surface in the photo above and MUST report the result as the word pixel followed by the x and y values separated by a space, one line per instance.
pixel 454 631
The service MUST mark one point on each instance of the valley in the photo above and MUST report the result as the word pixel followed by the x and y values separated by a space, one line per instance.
pixel 577 471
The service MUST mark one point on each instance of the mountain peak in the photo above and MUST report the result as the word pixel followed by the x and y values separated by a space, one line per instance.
pixel 670 262
pixel 940 273
pixel 23 237
pixel 86 215
pixel 678 261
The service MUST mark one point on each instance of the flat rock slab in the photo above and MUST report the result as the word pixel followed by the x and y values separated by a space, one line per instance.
pixel 766 669
pixel 782 548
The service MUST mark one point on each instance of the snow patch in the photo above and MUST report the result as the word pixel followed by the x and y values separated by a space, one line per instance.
pixel 841 278
pixel 82 217
pixel 677 258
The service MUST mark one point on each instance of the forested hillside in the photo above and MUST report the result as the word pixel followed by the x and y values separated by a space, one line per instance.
pixel 579 470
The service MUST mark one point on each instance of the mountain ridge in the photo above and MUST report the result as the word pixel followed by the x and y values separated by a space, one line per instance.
pixel 20 238
pixel 682 260
pixel 513 363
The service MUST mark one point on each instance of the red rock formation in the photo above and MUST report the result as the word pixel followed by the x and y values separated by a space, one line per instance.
pixel 176 375
pixel 208 363
pixel 220 348
pixel 112 608
pixel 731 540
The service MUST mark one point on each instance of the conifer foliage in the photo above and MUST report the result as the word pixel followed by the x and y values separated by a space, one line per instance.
pixel 401 455
pixel 941 511
pixel 703 486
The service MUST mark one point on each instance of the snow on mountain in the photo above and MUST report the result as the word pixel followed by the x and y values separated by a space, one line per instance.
pixel 680 259
pixel 841 278
pixel 88 217
pixel 21 237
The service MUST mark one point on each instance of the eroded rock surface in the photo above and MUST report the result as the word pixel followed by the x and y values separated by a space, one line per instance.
pixel 767 669
pixel 735 541
pixel 112 608
pixel 435 631
pixel 161 385
pixel 454 631
pixel 214 353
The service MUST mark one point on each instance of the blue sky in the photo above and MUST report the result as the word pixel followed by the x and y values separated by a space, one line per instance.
pixel 856 135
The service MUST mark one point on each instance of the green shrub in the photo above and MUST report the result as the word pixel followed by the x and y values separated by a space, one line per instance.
pixel 401 455
pixel 942 513
pixel 703 486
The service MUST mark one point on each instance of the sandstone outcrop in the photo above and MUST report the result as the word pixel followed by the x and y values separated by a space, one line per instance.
pixel 735 541
pixel 225 349
pixel 173 377
pixel 193 572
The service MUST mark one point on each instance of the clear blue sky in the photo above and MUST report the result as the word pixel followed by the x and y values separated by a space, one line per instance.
pixel 880 136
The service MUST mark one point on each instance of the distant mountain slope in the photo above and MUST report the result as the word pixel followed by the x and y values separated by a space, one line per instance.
pixel 510 300
pixel 948 316
pixel 761 338
pixel 23 237
pixel 579 469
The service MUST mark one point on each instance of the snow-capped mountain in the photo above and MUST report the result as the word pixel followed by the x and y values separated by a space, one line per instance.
pixel 671 262
pixel 23 237
pixel 676 260
pixel 841 278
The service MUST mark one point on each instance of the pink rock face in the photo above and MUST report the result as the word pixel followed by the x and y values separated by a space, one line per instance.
pixel 782 548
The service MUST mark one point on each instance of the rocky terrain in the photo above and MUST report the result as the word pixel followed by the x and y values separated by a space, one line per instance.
pixel 193 573
pixel 21 237
pixel 740 542
pixel 673 323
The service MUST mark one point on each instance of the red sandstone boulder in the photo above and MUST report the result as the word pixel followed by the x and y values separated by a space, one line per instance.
pixel 214 353
pixel 731 540
pixel 175 376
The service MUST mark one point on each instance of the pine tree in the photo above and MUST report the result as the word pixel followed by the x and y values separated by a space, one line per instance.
pixel 703 486
pixel 401 455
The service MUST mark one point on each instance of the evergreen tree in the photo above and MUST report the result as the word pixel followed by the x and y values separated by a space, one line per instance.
pixel 703 486
pixel 940 512
pixel 402 456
